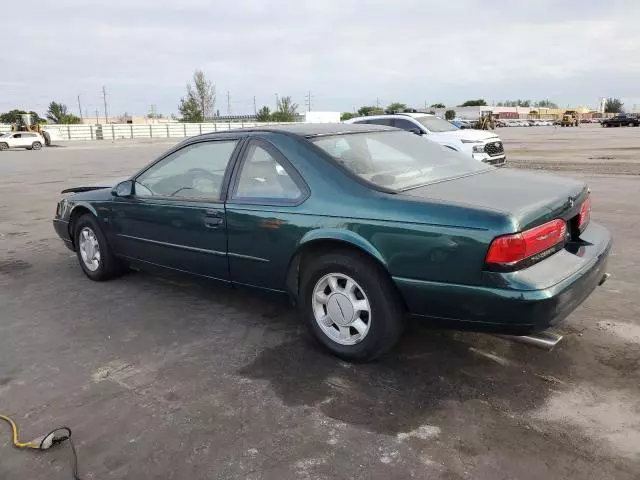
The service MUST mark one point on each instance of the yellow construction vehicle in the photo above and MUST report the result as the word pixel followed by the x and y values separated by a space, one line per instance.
pixel 570 118
pixel 25 123
pixel 486 121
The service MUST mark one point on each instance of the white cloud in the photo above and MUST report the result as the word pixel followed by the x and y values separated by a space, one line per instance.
pixel 347 52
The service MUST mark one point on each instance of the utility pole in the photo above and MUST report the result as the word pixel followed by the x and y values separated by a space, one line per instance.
pixel 425 105
pixel 153 111
pixel 255 110
pixel 97 118
pixel 80 107
pixel 104 97
pixel 377 103
pixel 307 100
pixel 228 103
pixel 277 101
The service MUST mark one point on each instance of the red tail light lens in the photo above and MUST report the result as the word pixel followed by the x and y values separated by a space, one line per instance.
pixel 511 249
pixel 585 214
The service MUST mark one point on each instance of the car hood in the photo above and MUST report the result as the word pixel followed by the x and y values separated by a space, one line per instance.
pixel 95 186
pixel 467 134
pixel 529 199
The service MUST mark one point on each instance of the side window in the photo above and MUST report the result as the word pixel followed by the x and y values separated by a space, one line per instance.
pixel 262 176
pixel 387 122
pixel 194 172
pixel 17 135
pixel 404 124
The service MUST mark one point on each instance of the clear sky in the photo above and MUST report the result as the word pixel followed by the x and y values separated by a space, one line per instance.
pixel 347 52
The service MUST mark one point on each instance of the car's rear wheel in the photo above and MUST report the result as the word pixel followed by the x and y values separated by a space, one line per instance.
pixel 36 146
pixel 4 146
pixel 350 305
pixel 93 251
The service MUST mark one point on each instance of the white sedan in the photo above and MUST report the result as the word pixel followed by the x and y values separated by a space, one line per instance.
pixel 28 140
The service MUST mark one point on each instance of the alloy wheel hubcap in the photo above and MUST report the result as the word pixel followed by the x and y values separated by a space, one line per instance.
pixel 89 249
pixel 341 309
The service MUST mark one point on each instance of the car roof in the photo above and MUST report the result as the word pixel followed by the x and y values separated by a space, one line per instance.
pixel 306 129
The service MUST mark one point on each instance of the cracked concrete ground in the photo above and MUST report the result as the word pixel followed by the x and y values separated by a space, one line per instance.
pixel 168 379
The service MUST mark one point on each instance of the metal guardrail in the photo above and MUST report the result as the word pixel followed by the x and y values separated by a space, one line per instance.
pixel 121 131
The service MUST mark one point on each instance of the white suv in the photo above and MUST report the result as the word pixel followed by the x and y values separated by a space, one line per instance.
pixel 28 140
pixel 481 145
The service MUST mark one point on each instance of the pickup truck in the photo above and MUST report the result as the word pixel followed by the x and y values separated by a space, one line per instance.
pixel 621 120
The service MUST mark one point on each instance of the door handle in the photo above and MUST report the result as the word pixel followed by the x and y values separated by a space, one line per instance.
pixel 213 219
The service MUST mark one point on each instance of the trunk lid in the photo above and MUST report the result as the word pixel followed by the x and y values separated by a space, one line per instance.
pixel 530 199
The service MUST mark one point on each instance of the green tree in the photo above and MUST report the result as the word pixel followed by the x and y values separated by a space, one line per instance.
pixel 613 105
pixel 346 116
pixel 286 112
pixel 438 105
pixel 450 114
pixel 264 114
pixel 190 110
pixel 396 107
pixel 59 113
pixel 545 104
pixel 367 110
pixel 200 100
pixel 480 102
pixel 13 116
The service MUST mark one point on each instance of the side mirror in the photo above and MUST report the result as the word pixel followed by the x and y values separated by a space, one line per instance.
pixel 416 130
pixel 123 189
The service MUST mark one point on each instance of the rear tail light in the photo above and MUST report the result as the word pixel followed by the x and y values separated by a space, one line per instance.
pixel 585 214
pixel 510 250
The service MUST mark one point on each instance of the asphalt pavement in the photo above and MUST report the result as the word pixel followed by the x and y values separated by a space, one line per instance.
pixel 162 378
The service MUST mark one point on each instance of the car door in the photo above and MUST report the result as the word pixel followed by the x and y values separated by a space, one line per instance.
pixel 265 196
pixel 18 140
pixel 176 218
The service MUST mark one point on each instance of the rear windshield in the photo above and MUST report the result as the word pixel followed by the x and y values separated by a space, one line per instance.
pixel 397 160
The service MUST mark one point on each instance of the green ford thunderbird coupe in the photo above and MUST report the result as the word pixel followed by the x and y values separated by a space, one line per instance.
pixel 361 225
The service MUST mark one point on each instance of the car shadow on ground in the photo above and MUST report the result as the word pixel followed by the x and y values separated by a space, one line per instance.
pixel 427 371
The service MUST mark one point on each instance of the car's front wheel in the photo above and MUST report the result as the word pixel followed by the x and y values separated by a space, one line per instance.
pixel 350 305
pixel 36 146
pixel 93 251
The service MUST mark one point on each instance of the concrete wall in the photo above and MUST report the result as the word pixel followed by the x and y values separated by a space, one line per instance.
pixel 118 131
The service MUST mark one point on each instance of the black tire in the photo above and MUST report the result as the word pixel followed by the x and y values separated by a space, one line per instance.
pixel 4 146
pixel 387 313
pixel 36 146
pixel 47 139
pixel 630 124
pixel 109 267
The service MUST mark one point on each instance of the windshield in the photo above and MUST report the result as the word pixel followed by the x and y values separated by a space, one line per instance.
pixel 436 124
pixel 397 160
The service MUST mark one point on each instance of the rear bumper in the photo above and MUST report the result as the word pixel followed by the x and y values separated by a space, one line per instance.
pixel 517 309
pixel 62 229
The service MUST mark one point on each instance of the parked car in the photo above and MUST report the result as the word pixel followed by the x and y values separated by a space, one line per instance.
pixel 481 145
pixel 28 140
pixel 621 120
pixel 359 224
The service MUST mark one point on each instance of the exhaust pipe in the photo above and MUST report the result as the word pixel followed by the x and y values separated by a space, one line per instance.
pixel 604 278
pixel 544 340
